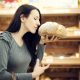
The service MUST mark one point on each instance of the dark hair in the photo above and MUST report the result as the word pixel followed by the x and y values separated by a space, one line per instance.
pixel 30 39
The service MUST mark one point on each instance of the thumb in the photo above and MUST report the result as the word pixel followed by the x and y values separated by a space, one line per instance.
pixel 37 62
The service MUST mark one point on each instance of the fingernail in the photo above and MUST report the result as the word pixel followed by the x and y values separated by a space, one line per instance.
pixel 37 59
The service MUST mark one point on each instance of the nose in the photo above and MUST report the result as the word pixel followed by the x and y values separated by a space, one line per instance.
pixel 38 23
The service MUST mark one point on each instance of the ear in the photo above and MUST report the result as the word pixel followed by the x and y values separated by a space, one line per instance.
pixel 22 18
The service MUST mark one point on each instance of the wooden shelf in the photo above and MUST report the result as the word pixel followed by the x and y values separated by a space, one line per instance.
pixel 66 61
pixel 46 12
pixel 61 11
pixel 66 39
pixel 7 12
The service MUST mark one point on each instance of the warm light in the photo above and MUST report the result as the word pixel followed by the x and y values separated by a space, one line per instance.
pixel 77 55
pixel 49 59
pixel 61 57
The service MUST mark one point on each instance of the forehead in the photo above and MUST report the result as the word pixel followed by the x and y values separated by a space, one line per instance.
pixel 35 13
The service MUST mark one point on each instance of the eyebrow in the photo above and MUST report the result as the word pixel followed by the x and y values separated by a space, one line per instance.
pixel 37 17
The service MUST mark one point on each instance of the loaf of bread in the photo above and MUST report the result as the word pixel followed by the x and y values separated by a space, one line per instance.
pixel 52 28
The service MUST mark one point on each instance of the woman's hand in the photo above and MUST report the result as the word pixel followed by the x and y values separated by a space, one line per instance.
pixel 38 70
pixel 47 38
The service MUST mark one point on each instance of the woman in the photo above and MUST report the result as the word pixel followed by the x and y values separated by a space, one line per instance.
pixel 21 47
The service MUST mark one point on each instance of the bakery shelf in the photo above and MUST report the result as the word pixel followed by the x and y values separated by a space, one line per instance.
pixel 9 12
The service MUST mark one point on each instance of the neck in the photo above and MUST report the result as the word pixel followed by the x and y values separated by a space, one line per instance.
pixel 22 30
pixel 20 33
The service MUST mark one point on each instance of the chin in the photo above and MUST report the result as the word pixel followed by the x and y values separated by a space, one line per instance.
pixel 33 32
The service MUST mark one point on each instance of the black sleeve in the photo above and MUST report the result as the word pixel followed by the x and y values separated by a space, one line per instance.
pixel 4 74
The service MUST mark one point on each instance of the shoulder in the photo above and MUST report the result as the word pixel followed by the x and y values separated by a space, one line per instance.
pixel 6 36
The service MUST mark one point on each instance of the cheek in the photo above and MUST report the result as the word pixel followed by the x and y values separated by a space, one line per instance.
pixel 29 26
pixel 27 23
pixel 30 22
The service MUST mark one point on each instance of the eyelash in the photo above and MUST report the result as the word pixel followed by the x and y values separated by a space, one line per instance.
pixel 35 19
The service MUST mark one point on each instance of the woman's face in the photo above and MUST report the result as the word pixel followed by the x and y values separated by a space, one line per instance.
pixel 32 22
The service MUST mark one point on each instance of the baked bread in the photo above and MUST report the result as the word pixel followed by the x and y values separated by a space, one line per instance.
pixel 52 28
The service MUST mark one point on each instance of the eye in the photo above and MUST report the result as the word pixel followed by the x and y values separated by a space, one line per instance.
pixel 35 18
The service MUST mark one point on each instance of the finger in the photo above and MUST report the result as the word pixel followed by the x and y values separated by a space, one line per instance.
pixel 46 37
pixel 37 78
pixel 52 38
pixel 42 40
pixel 43 37
pixel 37 62
pixel 46 67
pixel 47 40
pixel 55 38
pixel 42 65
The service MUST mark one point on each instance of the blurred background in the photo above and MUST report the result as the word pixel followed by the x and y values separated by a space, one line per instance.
pixel 62 54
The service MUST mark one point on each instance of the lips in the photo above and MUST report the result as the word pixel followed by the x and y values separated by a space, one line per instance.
pixel 36 27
